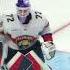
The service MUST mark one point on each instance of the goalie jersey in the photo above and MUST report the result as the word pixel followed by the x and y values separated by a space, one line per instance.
pixel 21 36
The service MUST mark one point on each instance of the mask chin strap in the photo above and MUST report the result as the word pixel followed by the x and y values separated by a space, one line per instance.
pixel 28 18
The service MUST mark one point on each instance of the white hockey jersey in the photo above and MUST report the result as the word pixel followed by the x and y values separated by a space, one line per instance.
pixel 22 36
pixel 26 34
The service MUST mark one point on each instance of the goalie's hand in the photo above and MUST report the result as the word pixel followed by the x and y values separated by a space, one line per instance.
pixel 48 49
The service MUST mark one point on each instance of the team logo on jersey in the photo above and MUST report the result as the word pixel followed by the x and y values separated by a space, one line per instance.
pixel 24 41
pixel 24 44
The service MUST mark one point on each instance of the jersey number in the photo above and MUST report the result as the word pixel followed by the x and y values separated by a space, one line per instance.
pixel 10 17
pixel 38 15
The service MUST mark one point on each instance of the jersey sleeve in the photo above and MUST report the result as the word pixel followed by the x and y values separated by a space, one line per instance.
pixel 46 33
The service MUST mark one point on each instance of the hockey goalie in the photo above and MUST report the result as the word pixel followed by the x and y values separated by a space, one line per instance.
pixel 22 32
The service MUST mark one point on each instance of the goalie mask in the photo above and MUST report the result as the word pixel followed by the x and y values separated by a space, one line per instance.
pixel 23 9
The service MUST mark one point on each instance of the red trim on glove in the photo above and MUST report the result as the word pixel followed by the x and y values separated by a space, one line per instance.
pixel 47 37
